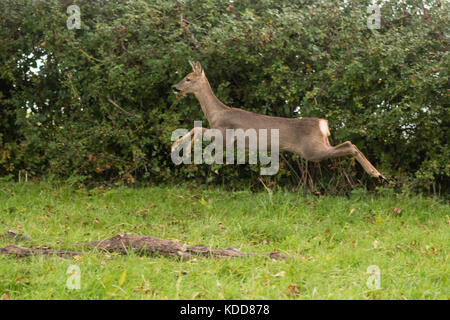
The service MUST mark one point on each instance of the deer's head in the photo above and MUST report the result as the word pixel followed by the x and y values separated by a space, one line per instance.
pixel 192 82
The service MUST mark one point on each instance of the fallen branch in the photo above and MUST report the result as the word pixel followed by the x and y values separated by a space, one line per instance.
pixel 150 245
pixel 147 245
pixel 25 252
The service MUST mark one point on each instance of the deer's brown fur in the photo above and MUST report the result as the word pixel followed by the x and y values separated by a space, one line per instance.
pixel 307 137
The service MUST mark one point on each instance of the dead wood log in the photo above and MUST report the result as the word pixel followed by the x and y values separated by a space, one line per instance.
pixel 147 245
pixel 151 245
pixel 25 252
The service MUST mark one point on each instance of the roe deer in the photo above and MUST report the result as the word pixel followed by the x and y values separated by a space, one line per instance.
pixel 307 137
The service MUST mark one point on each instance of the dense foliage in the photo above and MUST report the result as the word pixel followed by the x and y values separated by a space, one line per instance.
pixel 95 103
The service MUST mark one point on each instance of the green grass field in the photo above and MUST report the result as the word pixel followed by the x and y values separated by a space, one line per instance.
pixel 333 241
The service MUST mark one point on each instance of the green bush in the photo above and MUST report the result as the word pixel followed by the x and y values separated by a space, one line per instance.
pixel 99 107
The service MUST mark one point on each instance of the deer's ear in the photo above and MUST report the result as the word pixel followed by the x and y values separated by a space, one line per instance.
pixel 192 63
pixel 196 67
pixel 199 68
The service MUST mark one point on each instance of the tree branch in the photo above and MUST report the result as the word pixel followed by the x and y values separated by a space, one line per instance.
pixel 121 109
pixel 146 245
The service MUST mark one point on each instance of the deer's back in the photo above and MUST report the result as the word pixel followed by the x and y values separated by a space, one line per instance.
pixel 292 131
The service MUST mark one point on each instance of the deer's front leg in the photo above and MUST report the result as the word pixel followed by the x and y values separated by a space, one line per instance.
pixel 183 138
pixel 196 132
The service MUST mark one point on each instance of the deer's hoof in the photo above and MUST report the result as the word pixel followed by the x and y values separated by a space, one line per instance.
pixel 383 179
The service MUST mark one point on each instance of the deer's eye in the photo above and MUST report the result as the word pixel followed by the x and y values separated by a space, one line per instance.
pixel 187 79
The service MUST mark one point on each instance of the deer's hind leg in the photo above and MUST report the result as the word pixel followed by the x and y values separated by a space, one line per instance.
pixel 347 149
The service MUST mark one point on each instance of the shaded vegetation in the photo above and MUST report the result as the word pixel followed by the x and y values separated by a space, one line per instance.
pixel 386 91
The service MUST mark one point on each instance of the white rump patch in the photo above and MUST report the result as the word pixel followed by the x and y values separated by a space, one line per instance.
pixel 323 125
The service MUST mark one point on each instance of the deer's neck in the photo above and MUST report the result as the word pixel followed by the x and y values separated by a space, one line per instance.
pixel 210 104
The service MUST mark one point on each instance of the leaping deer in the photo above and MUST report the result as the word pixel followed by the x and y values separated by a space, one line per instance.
pixel 307 137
